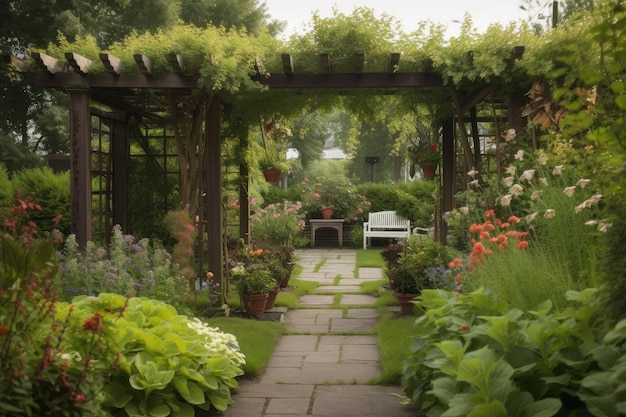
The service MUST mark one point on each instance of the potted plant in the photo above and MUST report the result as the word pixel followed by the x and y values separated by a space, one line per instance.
pixel 278 224
pixel 275 142
pixel 254 285
pixel 336 193
pixel 414 265
pixel 425 152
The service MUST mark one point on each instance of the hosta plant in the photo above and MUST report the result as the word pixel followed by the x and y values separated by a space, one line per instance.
pixel 170 364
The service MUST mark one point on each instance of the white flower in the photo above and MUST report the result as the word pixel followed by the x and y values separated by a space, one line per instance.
pixel 604 227
pixel 508 181
pixel 516 189
pixel 580 207
pixel 543 159
pixel 519 155
pixel 464 210
pixel 506 200
pixel 569 191
pixel 511 169
pixel 527 175
pixel 595 199
pixel 510 135
pixel 474 183
pixel 557 170
pixel 536 194
pixel 591 223
pixel 531 217
pixel 549 214
pixel 583 182
pixel 472 173
pixel 543 180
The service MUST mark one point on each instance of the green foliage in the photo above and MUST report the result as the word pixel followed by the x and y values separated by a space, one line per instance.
pixel 170 363
pixel 475 353
pixel 417 264
pixel 54 358
pixel 336 192
pixel 52 192
pixel 127 267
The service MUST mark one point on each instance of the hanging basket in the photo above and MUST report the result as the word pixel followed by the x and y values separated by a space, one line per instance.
pixel 428 170
pixel 271 175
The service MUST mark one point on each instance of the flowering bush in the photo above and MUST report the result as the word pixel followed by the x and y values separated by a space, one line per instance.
pixel 417 264
pixel 278 224
pixel 337 193
pixel 255 271
pixel 54 357
pixel 132 267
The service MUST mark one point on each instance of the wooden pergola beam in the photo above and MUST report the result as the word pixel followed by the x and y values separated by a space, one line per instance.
pixel 287 61
pixel 111 63
pixel 393 63
pixel 358 63
pixel 144 63
pixel 79 63
pixel 324 61
pixel 47 63
pixel 176 62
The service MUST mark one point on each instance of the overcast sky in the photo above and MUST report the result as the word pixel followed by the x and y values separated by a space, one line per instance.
pixel 408 12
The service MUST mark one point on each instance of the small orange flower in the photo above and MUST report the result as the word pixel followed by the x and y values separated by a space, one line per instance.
pixel 490 213
pixel 464 327
pixel 209 275
pixel 523 244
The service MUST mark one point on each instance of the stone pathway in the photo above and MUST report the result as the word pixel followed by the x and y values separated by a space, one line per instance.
pixel 323 369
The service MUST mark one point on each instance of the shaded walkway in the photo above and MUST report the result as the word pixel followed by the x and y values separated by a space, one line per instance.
pixel 323 371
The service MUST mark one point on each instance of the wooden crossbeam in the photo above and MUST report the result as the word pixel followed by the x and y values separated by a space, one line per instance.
pixel 47 63
pixel 287 64
pixel 324 60
pixel 176 62
pixel 358 63
pixel 144 63
pixel 393 63
pixel 79 63
pixel 111 63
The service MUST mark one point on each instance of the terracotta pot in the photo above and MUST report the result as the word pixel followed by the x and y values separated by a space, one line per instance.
pixel 406 304
pixel 271 299
pixel 254 304
pixel 428 170
pixel 327 212
pixel 285 281
pixel 271 175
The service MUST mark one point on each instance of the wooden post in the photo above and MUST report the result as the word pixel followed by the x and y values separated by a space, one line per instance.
pixel 244 191
pixel 448 173
pixel 213 192
pixel 80 166
pixel 120 160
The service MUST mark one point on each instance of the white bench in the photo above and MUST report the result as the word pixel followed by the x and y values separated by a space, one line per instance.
pixel 385 224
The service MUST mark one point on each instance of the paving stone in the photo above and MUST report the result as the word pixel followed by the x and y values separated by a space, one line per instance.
pixel 357 299
pixel 338 288
pixel 363 313
pixel 359 401
pixel 316 300
pixel 353 325
pixel 288 405
pixel 371 273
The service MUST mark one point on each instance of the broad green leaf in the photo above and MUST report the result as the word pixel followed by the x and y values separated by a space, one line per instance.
pixel 546 407
pixel 445 388
pixel 161 410
pixel 492 409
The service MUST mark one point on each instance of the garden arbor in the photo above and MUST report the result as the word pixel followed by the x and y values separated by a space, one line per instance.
pixel 164 98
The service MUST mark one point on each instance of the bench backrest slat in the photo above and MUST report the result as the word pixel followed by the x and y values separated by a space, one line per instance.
pixel 387 219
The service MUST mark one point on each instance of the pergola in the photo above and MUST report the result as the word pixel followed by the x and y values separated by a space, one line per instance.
pixel 137 95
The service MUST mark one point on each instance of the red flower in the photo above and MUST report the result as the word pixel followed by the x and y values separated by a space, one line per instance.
pixel 3 330
pixel 464 327
pixel 92 324
pixel 522 245
pixel 433 148
pixel 490 213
